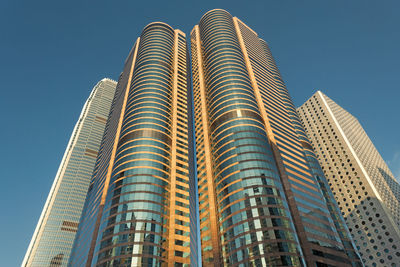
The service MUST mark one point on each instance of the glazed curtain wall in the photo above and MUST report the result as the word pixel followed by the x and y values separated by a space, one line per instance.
pixel 146 217
pixel 242 185
pixel 137 209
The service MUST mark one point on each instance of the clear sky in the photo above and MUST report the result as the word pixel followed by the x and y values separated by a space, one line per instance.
pixel 53 52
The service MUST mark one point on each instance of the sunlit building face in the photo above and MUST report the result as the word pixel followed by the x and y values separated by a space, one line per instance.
pixel 140 196
pixel 219 172
pixel 262 200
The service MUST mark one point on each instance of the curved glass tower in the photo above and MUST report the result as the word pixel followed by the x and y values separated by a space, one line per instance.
pixel 234 145
pixel 239 186
pixel 260 197
pixel 143 215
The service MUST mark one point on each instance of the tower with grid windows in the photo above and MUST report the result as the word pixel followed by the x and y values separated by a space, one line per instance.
pixel 365 189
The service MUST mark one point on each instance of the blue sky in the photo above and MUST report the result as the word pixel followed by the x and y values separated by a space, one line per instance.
pixel 53 52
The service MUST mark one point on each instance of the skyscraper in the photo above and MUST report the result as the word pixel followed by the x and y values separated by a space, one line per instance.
pixel 137 209
pixel 52 240
pixel 366 191
pixel 263 199
pixel 225 168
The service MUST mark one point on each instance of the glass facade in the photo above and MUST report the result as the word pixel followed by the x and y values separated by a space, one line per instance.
pixel 262 198
pixel 221 175
pixel 82 251
pixel 142 218
pixel 240 190
pixel 55 232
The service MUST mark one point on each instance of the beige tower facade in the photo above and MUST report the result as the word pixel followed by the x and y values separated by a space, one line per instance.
pixel 365 189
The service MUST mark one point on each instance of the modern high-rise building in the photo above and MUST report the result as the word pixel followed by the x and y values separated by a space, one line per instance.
pixel 137 209
pixel 54 235
pixel 365 189
pixel 221 175
pixel 263 199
